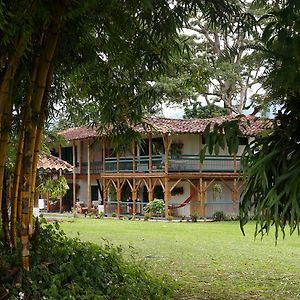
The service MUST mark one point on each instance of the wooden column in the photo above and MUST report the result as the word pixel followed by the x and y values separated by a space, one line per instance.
pixel 104 194
pixel 234 194
pixel 118 198
pixel 134 196
pixel 204 197
pixel 60 174
pixel 201 198
pixel 89 177
pixel 74 176
pixel 200 148
pixel 234 164
pixel 133 157
pixel 118 162
pixel 150 152
pixel 150 190
pixel 166 146
pixel 167 196
pixel 80 146
pixel 103 155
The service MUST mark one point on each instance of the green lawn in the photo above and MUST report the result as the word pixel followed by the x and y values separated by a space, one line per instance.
pixel 208 260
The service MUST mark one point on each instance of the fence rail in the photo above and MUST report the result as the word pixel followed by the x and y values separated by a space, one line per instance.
pixel 181 163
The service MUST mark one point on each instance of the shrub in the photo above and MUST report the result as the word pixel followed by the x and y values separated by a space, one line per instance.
pixel 113 215
pixel 219 216
pixel 194 216
pixel 155 207
pixel 65 268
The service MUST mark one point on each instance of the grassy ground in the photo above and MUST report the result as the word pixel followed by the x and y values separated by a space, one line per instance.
pixel 208 260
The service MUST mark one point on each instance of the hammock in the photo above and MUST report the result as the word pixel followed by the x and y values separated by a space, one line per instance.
pixel 182 204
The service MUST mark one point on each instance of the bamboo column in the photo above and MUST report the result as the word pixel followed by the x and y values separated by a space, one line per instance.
pixel 89 176
pixel 167 196
pixel 150 152
pixel 74 175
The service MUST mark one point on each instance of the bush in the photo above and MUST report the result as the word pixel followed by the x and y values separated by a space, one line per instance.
pixel 219 216
pixel 155 207
pixel 194 216
pixel 65 268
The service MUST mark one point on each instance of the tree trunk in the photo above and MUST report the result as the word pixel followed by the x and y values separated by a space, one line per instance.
pixel 30 137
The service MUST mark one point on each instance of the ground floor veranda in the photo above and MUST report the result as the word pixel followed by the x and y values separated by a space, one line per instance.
pixel 183 194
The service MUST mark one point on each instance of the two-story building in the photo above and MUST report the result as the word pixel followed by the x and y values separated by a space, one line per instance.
pixel 165 165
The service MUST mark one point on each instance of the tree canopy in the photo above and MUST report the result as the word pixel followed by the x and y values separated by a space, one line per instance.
pixel 99 54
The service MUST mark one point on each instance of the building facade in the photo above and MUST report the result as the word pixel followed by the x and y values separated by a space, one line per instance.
pixel 165 165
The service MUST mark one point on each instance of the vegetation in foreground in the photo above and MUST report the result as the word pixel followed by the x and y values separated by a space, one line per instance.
pixel 67 268
pixel 208 260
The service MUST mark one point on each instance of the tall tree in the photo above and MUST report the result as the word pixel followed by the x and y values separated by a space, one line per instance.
pixel 103 52
pixel 219 68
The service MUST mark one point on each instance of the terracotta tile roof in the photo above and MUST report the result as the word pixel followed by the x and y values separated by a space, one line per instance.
pixel 249 126
pixel 52 163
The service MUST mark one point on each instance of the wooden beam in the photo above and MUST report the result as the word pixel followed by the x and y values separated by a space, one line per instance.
pixel 171 189
pixel 134 196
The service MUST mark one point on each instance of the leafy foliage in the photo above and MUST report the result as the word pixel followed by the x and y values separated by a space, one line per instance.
pixel 203 112
pixel 65 268
pixel 155 207
pixel 54 186
pixel 218 136
pixel 272 162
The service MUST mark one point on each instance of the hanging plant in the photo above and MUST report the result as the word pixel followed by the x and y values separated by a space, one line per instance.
pixel 55 187
pixel 217 191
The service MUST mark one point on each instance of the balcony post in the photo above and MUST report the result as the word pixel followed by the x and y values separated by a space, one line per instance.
pixel 166 146
pixel 103 155
pixel 200 148
pixel 150 152
pixel 234 164
pixel 74 175
pixel 133 157
pixel 89 177
pixel 118 162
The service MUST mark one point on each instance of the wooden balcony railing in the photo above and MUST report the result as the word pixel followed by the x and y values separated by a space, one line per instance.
pixel 182 163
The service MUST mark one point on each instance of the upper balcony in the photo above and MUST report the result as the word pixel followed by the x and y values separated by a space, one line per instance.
pixel 179 164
